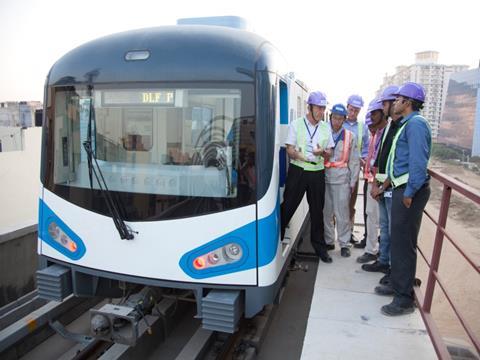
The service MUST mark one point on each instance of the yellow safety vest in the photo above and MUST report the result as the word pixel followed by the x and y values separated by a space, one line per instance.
pixel 402 179
pixel 380 176
pixel 360 137
pixel 302 142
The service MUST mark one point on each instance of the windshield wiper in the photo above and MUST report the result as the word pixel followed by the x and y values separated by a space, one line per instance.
pixel 112 205
pixel 124 231
pixel 89 137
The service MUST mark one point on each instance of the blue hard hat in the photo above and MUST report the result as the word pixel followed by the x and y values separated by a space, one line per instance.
pixel 339 109
pixel 375 104
pixel 368 119
pixel 389 93
pixel 317 98
pixel 355 101
pixel 412 90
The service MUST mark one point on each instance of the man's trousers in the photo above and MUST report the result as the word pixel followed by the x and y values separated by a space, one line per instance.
pixel 298 183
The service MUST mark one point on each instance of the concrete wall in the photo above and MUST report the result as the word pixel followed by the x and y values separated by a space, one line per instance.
pixel 20 184
pixel 11 138
pixel 18 263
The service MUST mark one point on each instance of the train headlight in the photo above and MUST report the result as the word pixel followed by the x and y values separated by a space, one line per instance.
pixel 59 236
pixel 224 255
pixel 54 230
pixel 233 251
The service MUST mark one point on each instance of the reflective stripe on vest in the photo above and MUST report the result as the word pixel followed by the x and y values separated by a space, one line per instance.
pixel 343 162
pixel 360 137
pixel 323 140
pixel 380 176
pixel 402 179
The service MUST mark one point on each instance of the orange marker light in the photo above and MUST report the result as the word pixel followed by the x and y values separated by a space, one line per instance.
pixel 72 246
pixel 199 263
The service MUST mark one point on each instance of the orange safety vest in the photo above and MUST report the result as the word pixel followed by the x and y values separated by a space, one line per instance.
pixel 343 162
pixel 367 174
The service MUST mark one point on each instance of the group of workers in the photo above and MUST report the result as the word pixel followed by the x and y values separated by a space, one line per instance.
pixel 391 149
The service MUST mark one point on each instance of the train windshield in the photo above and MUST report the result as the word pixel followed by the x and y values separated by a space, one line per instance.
pixel 179 143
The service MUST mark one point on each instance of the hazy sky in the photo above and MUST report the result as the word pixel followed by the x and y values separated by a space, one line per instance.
pixel 337 46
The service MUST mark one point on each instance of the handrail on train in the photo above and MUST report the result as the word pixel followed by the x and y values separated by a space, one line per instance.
pixel 424 301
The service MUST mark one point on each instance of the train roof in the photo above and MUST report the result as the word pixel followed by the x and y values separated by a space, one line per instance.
pixel 176 53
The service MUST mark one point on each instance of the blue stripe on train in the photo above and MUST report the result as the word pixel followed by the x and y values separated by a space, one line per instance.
pixel 46 217
pixel 245 236
pixel 282 159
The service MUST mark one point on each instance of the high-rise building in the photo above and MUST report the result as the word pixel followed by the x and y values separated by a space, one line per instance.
pixel 460 125
pixel 433 76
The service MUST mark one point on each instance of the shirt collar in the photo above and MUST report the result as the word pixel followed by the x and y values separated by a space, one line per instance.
pixel 338 132
pixel 408 117
pixel 309 123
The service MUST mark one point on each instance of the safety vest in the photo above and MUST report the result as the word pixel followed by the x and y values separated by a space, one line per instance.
pixel 360 137
pixel 402 179
pixel 343 162
pixel 371 149
pixel 302 142
pixel 381 177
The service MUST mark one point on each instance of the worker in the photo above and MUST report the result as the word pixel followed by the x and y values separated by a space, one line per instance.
pixel 376 125
pixel 407 172
pixel 309 143
pixel 384 195
pixel 359 129
pixel 341 175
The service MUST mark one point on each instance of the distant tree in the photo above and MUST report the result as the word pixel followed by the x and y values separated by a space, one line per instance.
pixel 444 152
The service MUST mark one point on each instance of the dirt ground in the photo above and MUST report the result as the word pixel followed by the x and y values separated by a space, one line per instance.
pixel 459 277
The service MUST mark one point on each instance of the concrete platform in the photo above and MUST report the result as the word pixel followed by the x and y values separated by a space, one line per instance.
pixel 345 320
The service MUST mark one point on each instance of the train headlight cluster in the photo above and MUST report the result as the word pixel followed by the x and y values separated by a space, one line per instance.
pixel 57 234
pixel 226 254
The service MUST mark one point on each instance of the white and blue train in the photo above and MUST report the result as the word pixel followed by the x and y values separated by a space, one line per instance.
pixel 163 165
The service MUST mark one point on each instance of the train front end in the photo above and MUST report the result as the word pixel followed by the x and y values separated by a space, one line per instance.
pixel 157 166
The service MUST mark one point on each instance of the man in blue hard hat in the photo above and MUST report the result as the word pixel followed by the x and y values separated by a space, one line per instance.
pixel 381 193
pixel 341 175
pixel 309 143
pixel 360 130
pixel 407 172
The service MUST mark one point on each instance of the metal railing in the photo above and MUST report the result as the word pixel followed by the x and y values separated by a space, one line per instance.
pixel 425 300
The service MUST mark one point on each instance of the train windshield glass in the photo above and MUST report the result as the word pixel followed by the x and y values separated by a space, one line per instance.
pixel 177 141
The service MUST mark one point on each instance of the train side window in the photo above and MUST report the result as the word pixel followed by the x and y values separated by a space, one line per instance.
pixel 283 103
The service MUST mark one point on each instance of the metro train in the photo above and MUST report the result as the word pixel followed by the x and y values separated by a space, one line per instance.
pixel 163 165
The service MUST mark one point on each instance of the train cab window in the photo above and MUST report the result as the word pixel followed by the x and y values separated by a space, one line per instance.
pixel 137 129
pixel 187 142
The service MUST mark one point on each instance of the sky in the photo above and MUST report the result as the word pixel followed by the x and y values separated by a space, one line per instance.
pixel 340 47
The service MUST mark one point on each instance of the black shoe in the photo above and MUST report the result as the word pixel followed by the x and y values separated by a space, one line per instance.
pixel 360 245
pixel 330 246
pixel 395 309
pixel 325 257
pixel 377 266
pixel 366 257
pixel 345 252
pixel 385 280
pixel 384 290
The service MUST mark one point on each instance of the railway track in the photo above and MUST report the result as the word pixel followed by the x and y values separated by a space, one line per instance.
pixel 32 328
